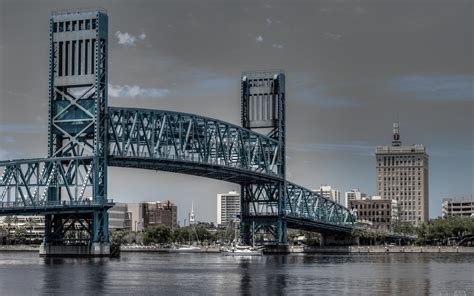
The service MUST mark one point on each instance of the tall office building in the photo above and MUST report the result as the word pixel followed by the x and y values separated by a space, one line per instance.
pixel 228 207
pixel 402 175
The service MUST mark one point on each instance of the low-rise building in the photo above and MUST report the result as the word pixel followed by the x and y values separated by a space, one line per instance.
pixel 458 207
pixel 156 213
pixel 30 227
pixel 145 214
pixel 380 213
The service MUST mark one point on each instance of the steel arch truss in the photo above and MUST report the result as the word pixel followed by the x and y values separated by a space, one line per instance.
pixel 47 185
pixel 301 208
pixel 181 137
pixel 304 204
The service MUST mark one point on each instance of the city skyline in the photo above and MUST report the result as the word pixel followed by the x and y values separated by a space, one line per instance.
pixel 340 90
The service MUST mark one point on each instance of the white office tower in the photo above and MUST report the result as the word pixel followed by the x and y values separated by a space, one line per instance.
pixel 228 207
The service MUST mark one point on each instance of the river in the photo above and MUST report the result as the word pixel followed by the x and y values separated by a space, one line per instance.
pixel 24 273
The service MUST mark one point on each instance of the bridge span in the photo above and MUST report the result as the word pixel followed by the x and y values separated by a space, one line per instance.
pixel 85 136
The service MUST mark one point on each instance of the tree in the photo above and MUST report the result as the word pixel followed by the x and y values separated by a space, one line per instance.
pixel 181 235
pixel 160 234
pixel 404 228
pixel 20 235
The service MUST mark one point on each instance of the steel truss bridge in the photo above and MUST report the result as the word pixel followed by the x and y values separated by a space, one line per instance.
pixel 85 136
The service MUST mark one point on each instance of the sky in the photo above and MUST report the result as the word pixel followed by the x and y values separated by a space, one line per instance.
pixel 352 69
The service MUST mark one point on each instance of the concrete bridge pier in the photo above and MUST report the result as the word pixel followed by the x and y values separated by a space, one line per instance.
pixel 96 249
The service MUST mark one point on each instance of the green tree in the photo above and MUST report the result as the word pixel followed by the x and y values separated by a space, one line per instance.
pixel 20 235
pixel 181 235
pixel 160 234
pixel 203 235
pixel 404 228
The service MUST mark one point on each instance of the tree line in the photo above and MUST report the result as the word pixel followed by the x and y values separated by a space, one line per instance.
pixel 164 234
pixel 439 231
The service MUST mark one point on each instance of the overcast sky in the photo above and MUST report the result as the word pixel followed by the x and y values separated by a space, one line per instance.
pixel 352 68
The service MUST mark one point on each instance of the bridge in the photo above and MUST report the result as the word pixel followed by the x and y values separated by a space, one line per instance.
pixel 85 136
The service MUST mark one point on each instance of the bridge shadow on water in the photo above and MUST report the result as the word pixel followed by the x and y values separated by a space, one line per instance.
pixel 75 276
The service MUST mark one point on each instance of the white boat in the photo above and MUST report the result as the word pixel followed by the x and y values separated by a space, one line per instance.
pixel 240 250
pixel 188 249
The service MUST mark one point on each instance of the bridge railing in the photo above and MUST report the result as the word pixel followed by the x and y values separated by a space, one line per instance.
pixel 56 204
pixel 167 135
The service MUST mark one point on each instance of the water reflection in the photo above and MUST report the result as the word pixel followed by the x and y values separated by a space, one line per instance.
pixel 62 275
pixel 169 274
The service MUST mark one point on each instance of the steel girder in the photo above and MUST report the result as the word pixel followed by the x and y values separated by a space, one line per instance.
pixel 191 144
pixel 27 186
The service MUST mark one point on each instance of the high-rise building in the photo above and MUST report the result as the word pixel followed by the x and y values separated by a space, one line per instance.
pixel 354 194
pixel 402 175
pixel 458 207
pixel 228 207
pixel 329 193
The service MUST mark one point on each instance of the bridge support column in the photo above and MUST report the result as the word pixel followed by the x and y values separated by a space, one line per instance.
pixel 335 239
pixel 76 235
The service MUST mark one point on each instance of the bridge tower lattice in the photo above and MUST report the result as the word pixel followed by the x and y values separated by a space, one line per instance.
pixel 77 124
pixel 263 203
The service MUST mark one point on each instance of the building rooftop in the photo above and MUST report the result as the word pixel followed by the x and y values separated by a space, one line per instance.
pixel 396 149
pixel 78 10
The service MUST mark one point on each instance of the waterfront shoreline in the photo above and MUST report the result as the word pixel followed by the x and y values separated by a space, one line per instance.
pixel 291 250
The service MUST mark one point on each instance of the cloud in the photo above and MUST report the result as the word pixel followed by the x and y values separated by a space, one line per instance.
pixel 135 91
pixel 279 46
pixel 333 36
pixel 269 22
pixel 259 38
pixel 128 39
pixel 435 87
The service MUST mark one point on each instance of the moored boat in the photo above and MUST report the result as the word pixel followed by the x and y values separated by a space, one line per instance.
pixel 240 250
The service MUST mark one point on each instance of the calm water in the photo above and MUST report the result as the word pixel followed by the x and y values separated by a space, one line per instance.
pixel 199 274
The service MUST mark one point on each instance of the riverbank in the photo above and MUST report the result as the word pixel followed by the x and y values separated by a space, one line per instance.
pixel 19 248
pixel 383 249
pixel 292 249
pixel 167 250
